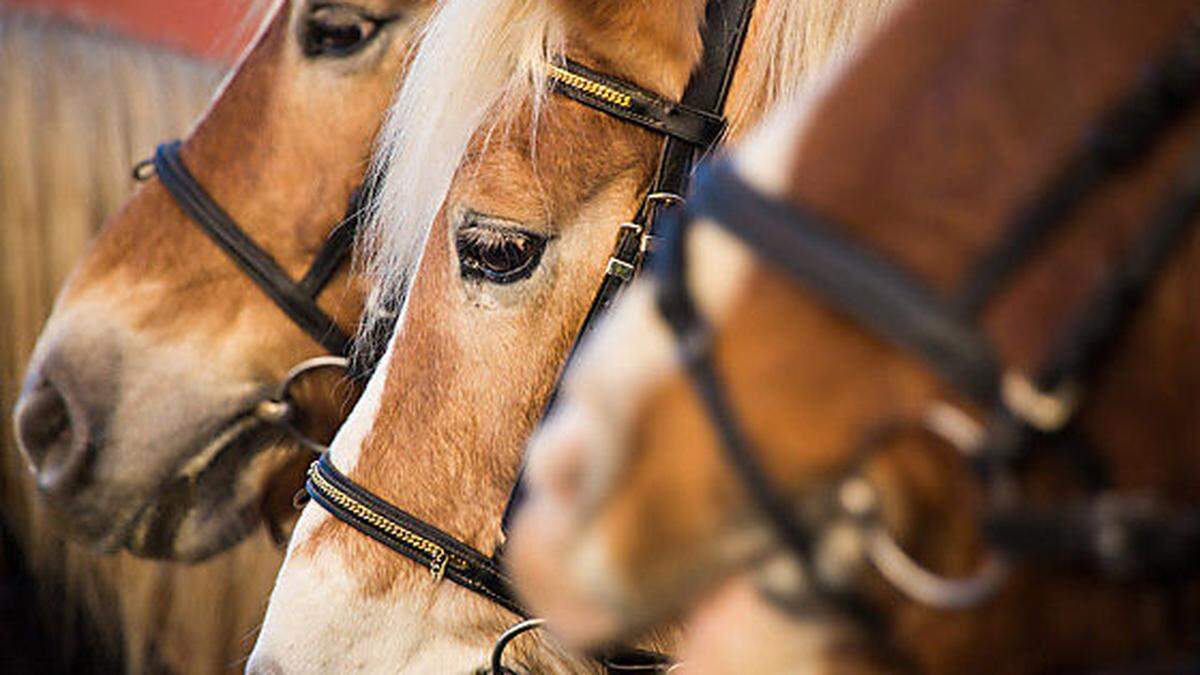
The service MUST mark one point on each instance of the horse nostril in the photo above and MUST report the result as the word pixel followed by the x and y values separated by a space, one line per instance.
pixel 51 435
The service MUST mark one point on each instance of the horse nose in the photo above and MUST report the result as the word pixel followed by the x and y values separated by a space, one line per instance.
pixel 53 433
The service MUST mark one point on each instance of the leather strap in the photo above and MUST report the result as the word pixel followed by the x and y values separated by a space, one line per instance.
pixel 445 556
pixel 297 300
pixel 629 102
pixel 1158 543
pixel 724 33
pixel 1124 136
pixel 851 279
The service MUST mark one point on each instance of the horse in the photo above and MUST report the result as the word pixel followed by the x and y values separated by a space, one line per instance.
pixel 151 411
pixel 504 195
pixel 195 476
pixel 79 107
pixel 935 413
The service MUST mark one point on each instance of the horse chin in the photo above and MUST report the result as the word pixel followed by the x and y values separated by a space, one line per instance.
pixel 207 507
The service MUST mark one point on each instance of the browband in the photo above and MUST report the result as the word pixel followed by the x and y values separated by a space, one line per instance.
pixel 296 299
pixel 445 556
pixel 636 105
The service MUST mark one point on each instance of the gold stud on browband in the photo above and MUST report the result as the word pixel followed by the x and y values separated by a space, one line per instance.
pixel 588 86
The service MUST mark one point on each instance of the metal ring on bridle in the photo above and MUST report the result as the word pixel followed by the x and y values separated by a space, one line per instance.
pixel 279 410
pixel 143 170
pixel 514 631
pixel 909 577
pixel 917 583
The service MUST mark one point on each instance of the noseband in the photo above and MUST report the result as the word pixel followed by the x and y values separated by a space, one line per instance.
pixel 1114 535
pixel 297 299
pixel 690 127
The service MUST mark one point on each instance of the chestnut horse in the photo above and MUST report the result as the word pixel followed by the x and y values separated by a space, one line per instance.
pixel 1003 118
pixel 511 196
pixel 139 408
pixel 78 107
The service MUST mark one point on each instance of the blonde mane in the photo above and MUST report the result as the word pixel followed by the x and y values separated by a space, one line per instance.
pixel 76 110
pixel 478 56
pixel 473 56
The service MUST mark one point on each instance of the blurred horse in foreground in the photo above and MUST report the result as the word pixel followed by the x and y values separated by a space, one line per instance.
pixel 917 362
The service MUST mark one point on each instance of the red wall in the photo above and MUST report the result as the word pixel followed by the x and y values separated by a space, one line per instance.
pixel 216 29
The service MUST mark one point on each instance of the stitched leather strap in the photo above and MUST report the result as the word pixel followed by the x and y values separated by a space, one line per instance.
pixel 629 102
pixel 724 33
pixel 297 300
pixel 445 556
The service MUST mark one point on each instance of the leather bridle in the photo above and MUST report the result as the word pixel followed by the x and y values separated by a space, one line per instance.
pixel 690 127
pixel 1117 536
pixel 297 299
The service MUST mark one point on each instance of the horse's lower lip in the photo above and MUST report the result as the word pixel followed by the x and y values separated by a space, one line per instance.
pixel 152 529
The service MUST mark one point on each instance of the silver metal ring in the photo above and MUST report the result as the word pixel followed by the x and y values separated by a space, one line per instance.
pixel 918 583
pixel 305 367
pixel 279 410
pixel 143 170
pixel 514 631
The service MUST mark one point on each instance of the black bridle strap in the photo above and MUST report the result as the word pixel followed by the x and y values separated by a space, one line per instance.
pixel 849 278
pixel 1124 136
pixel 297 300
pixel 695 126
pixel 1098 326
pixel 879 296
pixel 445 556
pixel 725 27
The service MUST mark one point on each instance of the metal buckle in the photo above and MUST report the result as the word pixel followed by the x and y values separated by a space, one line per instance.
pixel 620 268
pixel 667 198
pixel 143 170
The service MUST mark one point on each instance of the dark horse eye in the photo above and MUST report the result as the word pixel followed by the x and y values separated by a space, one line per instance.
pixel 338 30
pixel 499 255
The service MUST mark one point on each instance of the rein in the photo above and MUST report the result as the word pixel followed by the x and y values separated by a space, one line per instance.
pixel 690 127
pixel 1117 536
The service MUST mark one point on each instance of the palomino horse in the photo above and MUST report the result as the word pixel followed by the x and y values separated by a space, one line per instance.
pixel 77 108
pixel 519 190
pixel 140 413
pixel 1035 166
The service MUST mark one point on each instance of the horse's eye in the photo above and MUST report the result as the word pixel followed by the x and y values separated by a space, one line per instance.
pixel 496 254
pixel 338 30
